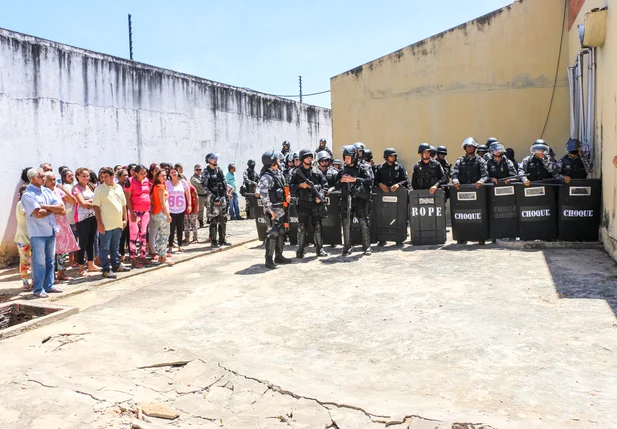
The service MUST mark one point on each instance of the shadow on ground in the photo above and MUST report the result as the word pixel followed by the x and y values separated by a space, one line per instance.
pixel 592 275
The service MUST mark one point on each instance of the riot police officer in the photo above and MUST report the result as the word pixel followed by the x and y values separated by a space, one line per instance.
pixel 482 151
pixel 323 161
pixel 433 150
pixel 574 165
pixel 323 146
pixel 355 182
pixel 368 157
pixel 442 152
pixel 286 148
pixel 309 185
pixel 490 142
pixel 539 165
pixel 337 164
pixel 469 168
pixel 390 174
pixel 428 172
pixel 213 181
pixel 274 200
pixel 289 166
pixel 249 178
pixel 499 166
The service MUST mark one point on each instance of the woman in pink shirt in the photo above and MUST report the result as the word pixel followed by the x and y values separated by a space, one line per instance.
pixel 138 204
pixel 179 204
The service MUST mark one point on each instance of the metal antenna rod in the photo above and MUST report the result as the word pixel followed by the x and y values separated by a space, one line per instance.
pixel 130 37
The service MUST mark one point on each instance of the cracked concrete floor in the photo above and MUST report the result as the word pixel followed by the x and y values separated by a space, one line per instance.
pixel 413 338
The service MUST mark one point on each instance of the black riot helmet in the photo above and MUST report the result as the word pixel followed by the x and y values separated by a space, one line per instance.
pixel 322 142
pixel 573 146
pixel 368 155
pixel 337 162
pixel 250 164
pixel 389 152
pixel 286 144
pixel 442 150
pixel 289 158
pixel 482 148
pixel 350 150
pixel 433 150
pixel 270 157
pixel 421 148
pixel 359 146
pixel 208 155
pixel 305 153
pixel 490 141
pixel 323 155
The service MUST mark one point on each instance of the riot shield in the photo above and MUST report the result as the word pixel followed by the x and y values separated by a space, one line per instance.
pixel 469 213
pixel 580 205
pixel 427 217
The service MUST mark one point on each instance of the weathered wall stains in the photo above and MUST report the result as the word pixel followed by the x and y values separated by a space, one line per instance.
pixel 69 106
pixel 492 76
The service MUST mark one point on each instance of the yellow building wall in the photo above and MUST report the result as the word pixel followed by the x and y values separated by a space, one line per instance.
pixel 605 147
pixel 493 76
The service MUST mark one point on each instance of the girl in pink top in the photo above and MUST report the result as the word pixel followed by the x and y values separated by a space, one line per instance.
pixel 179 204
pixel 138 204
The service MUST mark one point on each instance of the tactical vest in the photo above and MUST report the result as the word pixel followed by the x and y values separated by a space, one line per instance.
pixel 358 190
pixel 391 175
pixel 497 170
pixel 573 167
pixel 314 176
pixel 426 175
pixel 469 170
pixel 216 182
pixel 277 191
pixel 536 170
pixel 252 176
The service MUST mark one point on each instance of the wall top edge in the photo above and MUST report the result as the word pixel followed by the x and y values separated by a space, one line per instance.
pixel 27 38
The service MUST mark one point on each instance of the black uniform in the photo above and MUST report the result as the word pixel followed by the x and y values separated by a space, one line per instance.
pixel 391 175
pixel 213 181
pixel 360 192
pixel 447 167
pixel 308 209
pixel 427 174
pixel 249 178
pixel 500 170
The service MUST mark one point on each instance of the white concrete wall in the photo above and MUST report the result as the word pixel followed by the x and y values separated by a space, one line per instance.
pixel 73 107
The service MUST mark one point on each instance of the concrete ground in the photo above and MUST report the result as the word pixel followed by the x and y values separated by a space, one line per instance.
pixel 461 337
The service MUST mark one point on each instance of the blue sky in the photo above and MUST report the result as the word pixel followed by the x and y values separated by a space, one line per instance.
pixel 262 45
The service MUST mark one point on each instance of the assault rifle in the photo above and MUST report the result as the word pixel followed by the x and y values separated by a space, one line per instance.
pixel 309 182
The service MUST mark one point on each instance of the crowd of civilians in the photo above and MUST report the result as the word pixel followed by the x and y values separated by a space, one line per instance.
pixel 91 221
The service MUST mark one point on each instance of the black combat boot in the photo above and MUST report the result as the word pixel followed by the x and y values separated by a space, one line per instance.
pixel 301 239
pixel 318 239
pixel 270 245
pixel 222 233
pixel 280 245
pixel 366 237
pixel 201 223
pixel 213 240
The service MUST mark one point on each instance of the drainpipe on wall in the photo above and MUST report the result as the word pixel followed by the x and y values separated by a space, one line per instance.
pixel 591 104
pixel 573 104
